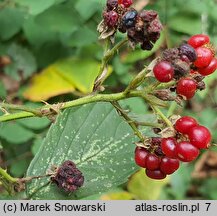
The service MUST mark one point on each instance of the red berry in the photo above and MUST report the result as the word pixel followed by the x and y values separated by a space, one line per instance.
pixel 152 162
pixel 184 124
pixel 186 87
pixel 200 136
pixel 168 146
pixel 186 152
pixel 198 40
pixel 169 165
pixel 163 71
pixel 125 3
pixel 140 156
pixel 209 69
pixel 111 18
pixel 155 174
pixel 204 57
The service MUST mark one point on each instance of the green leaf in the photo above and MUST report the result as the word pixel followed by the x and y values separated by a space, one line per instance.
pixel 11 20
pixel 209 80
pixel 87 8
pixel 35 7
pixel 35 123
pixel 144 188
pixel 83 37
pixel 180 181
pixel 35 33
pixel 97 140
pixel 59 18
pixel 185 23
pixel 22 60
pixel 208 189
pixel 36 145
pixel 135 105
pixel 14 133
pixel 18 168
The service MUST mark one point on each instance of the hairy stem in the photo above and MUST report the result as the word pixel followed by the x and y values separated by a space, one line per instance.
pixel 108 54
pixel 137 81
pixel 162 116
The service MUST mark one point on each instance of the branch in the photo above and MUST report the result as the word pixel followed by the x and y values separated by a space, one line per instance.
pixel 129 120
pixel 49 109
pixel 8 182
pixel 162 116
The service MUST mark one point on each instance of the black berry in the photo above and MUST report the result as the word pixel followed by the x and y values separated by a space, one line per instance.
pixel 129 19
pixel 188 51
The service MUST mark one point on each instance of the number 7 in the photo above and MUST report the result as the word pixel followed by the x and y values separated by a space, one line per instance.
pixel 208 205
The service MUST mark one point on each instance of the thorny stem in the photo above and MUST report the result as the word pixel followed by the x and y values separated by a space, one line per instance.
pixel 49 109
pixel 137 81
pixel 165 85
pixel 21 108
pixel 149 124
pixel 8 182
pixel 129 120
pixel 108 54
pixel 6 176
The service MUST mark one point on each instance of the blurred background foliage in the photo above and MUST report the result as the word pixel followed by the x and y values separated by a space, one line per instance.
pixel 50 51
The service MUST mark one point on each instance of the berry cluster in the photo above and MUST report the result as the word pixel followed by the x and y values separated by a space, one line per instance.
pixel 163 156
pixel 68 177
pixel 188 65
pixel 142 27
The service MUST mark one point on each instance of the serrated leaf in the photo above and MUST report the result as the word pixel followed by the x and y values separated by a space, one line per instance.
pixel 22 60
pixel 144 188
pixel 97 140
pixel 63 77
pixel 14 133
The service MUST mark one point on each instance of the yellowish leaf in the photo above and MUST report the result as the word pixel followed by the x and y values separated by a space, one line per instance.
pixel 122 195
pixel 144 188
pixel 63 77
pixel 46 85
